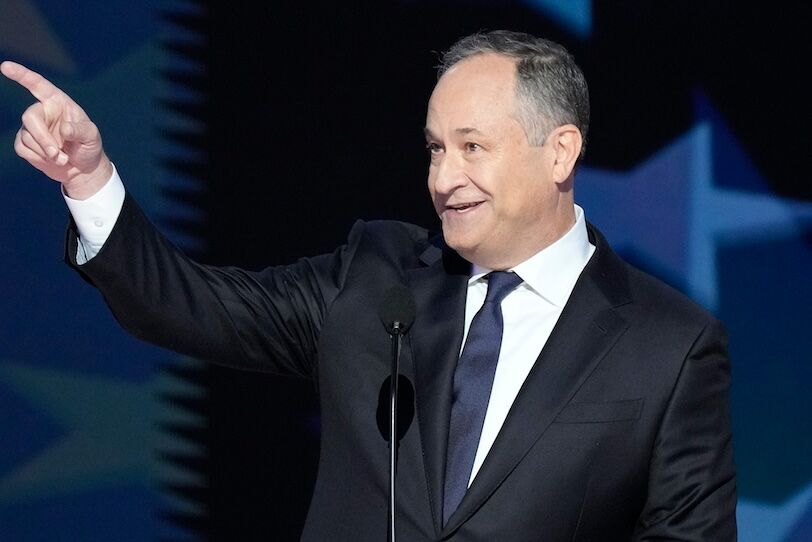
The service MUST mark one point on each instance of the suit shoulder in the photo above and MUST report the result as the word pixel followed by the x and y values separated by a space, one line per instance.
pixel 652 299
pixel 658 299
pixel 390 234
pixel 399 242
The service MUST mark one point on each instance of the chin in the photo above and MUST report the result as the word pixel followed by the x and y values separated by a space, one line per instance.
pixel 455 240
pixel 462 244
pixel 475 253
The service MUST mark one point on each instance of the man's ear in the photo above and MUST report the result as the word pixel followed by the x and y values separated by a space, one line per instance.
pixel 565 143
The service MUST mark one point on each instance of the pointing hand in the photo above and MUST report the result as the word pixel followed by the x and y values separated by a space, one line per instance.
pixel 57 137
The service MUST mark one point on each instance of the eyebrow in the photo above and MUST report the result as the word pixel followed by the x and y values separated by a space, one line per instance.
pixel 466 131
pixel 461 131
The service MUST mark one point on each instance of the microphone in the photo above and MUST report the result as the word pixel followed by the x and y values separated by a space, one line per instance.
pixel 397 312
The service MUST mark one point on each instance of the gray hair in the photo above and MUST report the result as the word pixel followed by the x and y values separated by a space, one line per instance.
pixel 550 87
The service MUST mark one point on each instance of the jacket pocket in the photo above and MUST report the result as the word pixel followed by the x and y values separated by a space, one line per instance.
pixel 610 411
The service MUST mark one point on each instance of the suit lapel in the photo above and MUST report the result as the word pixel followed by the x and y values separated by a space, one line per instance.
pixel 585 332
pixel 435 338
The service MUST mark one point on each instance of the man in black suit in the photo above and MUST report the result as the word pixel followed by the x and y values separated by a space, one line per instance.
pixel 588 401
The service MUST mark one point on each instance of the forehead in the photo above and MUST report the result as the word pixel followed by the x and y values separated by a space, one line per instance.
pixel 481 86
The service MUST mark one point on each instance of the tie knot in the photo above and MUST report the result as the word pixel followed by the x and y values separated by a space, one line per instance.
pixel 500 284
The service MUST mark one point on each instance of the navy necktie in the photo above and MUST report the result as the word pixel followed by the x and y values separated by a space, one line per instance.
pixel 473 379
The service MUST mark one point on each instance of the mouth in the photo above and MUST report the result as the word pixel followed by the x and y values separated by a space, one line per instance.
pixel 459 208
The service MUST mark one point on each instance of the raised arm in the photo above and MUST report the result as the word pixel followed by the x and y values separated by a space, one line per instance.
pixel 267 320
pixel 57 137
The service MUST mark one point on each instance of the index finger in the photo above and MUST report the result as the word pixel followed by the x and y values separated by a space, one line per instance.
pixel 37 85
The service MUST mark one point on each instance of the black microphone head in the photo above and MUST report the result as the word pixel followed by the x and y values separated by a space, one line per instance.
pixel 397 306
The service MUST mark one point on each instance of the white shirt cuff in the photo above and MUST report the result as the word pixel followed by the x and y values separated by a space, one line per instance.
pixel 96 216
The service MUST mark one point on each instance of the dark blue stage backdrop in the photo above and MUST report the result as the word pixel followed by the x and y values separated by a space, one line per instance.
pixel 100 435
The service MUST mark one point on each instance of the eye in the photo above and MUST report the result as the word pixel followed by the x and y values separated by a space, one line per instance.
pixel 433 148
pixel 472 147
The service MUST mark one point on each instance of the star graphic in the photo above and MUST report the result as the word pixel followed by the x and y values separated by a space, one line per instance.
pixel 110 435
pixel 762 522
pixel 112 430
pixel 672 211
pixel 107 431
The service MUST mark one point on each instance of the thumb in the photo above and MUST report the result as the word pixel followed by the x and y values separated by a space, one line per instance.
pixel 80 132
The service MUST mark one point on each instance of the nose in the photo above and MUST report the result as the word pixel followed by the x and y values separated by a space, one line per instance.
pixel 447 174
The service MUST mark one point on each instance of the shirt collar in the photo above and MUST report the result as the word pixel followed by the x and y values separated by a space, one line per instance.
pixel 553 272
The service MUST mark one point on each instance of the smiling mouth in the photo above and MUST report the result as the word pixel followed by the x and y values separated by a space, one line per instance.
pixel 463 207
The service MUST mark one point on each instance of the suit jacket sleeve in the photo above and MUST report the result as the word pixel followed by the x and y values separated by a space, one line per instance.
pixel 692 494
pixel 267 320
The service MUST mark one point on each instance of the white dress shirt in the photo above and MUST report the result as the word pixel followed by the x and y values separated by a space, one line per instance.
pixel 529 312
pixel 96 216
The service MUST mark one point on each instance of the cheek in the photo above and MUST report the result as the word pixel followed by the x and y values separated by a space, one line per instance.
pixel 517 203
pixel 431 180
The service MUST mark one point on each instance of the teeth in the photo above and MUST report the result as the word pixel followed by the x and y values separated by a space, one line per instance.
pixel 463 205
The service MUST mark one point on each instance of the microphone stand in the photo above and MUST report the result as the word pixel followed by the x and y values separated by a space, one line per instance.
pixel 395 335
pixel 397 314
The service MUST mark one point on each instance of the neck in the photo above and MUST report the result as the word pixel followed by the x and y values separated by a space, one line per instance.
pixel 531 243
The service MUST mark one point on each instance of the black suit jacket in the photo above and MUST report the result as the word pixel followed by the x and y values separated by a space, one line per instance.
pixel 620 432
